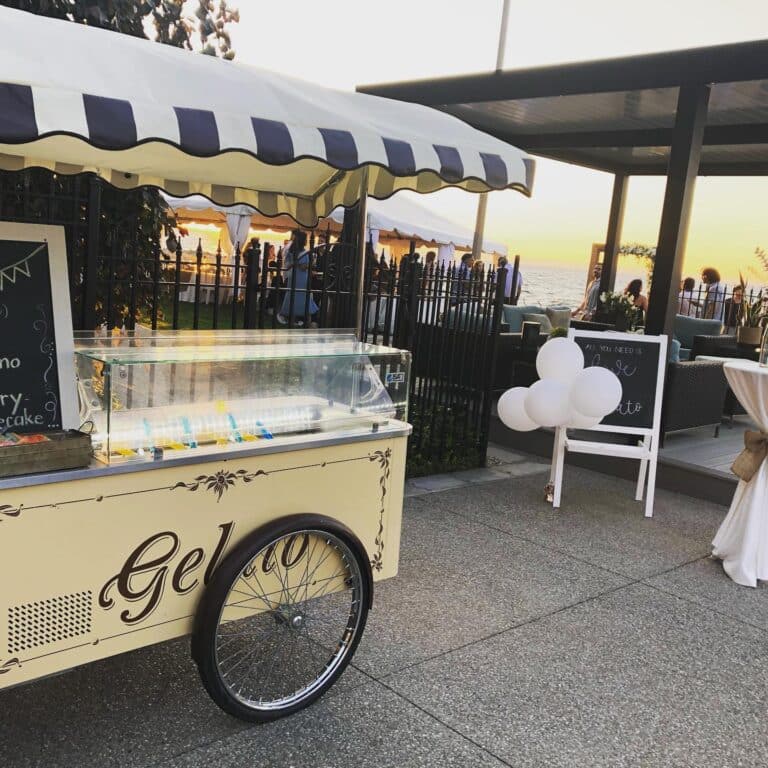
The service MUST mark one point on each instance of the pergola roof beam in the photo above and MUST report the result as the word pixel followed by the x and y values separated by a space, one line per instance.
pixel 756 133
pixel 733 62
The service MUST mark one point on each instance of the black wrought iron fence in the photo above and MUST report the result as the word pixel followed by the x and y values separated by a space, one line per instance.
pixel 447 315
pixel 732 305
pixel 126 272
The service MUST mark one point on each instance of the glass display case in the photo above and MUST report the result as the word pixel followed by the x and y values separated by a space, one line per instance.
pixel 161 395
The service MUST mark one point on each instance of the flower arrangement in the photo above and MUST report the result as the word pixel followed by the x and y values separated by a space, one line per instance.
pixel 619 308
pixel 618 303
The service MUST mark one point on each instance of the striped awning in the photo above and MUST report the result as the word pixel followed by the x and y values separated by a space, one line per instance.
pixel 76 99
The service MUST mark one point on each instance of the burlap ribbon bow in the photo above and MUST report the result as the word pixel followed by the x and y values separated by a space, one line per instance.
pixel 754 454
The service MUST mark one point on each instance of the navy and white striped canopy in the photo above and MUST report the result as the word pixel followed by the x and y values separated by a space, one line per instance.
pixel 77 99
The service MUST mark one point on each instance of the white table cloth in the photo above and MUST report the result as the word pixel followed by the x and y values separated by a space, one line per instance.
pixel 742 539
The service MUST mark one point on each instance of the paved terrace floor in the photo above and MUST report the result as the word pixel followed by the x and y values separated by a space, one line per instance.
pixel 515 635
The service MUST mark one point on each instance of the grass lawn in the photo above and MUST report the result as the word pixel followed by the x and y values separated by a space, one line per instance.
pixel 187 315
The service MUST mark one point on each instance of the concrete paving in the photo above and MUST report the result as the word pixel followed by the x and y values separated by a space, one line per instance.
pixel 514 635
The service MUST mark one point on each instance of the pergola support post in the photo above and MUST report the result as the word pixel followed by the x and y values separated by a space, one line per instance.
pixel 613 235
pixel 683 167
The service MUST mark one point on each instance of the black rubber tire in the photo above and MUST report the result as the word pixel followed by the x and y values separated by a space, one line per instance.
pixel 206 620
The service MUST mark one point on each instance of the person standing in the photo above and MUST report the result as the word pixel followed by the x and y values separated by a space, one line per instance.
pixel 460 284
pixel 296 263
pixel 686 305
pixel 510 296
pixel 588 306
pixel 634 291
pixel 714 300
pixel 734 307
pixel 427 276
pixel 504 264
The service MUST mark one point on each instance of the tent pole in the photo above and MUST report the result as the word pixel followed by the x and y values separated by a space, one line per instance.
pixel 362 210
pixel 477 242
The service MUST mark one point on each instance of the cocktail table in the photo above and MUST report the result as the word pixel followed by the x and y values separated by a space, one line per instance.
pixel 742 540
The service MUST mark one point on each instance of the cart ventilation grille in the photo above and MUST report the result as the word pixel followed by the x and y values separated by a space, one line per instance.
pixel 33 625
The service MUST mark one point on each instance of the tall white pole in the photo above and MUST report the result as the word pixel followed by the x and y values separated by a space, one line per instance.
pixel 477 242
pixel 482 203
pixel 502 36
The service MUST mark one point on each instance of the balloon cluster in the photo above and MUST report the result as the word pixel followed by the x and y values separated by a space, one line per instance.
pixel 566 395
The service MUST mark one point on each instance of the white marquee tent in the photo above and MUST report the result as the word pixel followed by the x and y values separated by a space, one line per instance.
pixel 396 217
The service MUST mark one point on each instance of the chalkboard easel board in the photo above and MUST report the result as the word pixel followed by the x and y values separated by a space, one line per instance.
pixel 635 360
pixel 640 362
pixel 37 379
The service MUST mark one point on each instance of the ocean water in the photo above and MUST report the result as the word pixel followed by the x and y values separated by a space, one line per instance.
pixel 548 286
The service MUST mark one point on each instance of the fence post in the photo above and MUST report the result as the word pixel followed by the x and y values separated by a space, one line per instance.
pixel 235 285
pixel 413 310
pixel 198 282
pixel 263 286
pixel 493 340
pixel 515 276
pixel 156 256
pixel 251 282
pixel 177 285
pixel 92 255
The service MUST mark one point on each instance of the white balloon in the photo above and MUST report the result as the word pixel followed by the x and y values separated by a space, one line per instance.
pixel 580 421
pixel 511 408
pixel 560 359
pixel 547 403
pixel 595 392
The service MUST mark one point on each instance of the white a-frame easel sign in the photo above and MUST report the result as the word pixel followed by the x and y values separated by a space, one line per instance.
pixel 640 363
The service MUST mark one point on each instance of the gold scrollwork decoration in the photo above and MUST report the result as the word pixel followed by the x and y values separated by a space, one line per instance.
pixel 8 665
pixel 220 481
pixel 6 510
pixel 383 459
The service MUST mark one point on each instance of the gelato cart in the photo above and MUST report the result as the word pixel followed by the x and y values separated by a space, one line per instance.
pixel 246 489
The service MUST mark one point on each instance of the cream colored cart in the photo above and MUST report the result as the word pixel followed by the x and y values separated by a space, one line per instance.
pixel 246 489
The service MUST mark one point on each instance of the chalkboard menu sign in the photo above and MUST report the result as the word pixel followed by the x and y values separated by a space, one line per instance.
pixel 635 360
pixel 37 386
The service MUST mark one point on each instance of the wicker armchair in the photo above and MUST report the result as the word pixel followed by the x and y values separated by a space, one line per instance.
pixel 716 346
pixel 720 346
pixel 694 396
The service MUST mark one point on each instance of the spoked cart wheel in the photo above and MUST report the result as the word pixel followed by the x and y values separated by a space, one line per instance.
pixel 282 617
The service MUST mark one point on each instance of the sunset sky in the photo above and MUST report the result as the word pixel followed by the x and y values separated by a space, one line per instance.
pixel 343 43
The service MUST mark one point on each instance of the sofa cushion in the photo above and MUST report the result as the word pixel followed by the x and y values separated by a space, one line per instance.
pixel 513 316
pixel 688 327
pixel 540 318
pixel 673 352
pixel 558 317
pixel 464 317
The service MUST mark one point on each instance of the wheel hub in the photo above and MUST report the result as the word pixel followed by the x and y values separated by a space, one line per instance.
pixel 284 615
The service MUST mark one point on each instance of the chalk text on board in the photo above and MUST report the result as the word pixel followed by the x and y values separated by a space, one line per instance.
pixel 8 363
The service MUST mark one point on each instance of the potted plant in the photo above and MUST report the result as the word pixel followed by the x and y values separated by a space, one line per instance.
pixel 752 318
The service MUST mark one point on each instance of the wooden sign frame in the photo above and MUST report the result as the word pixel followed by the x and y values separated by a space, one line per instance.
pixel 54 237
pixel 647 449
